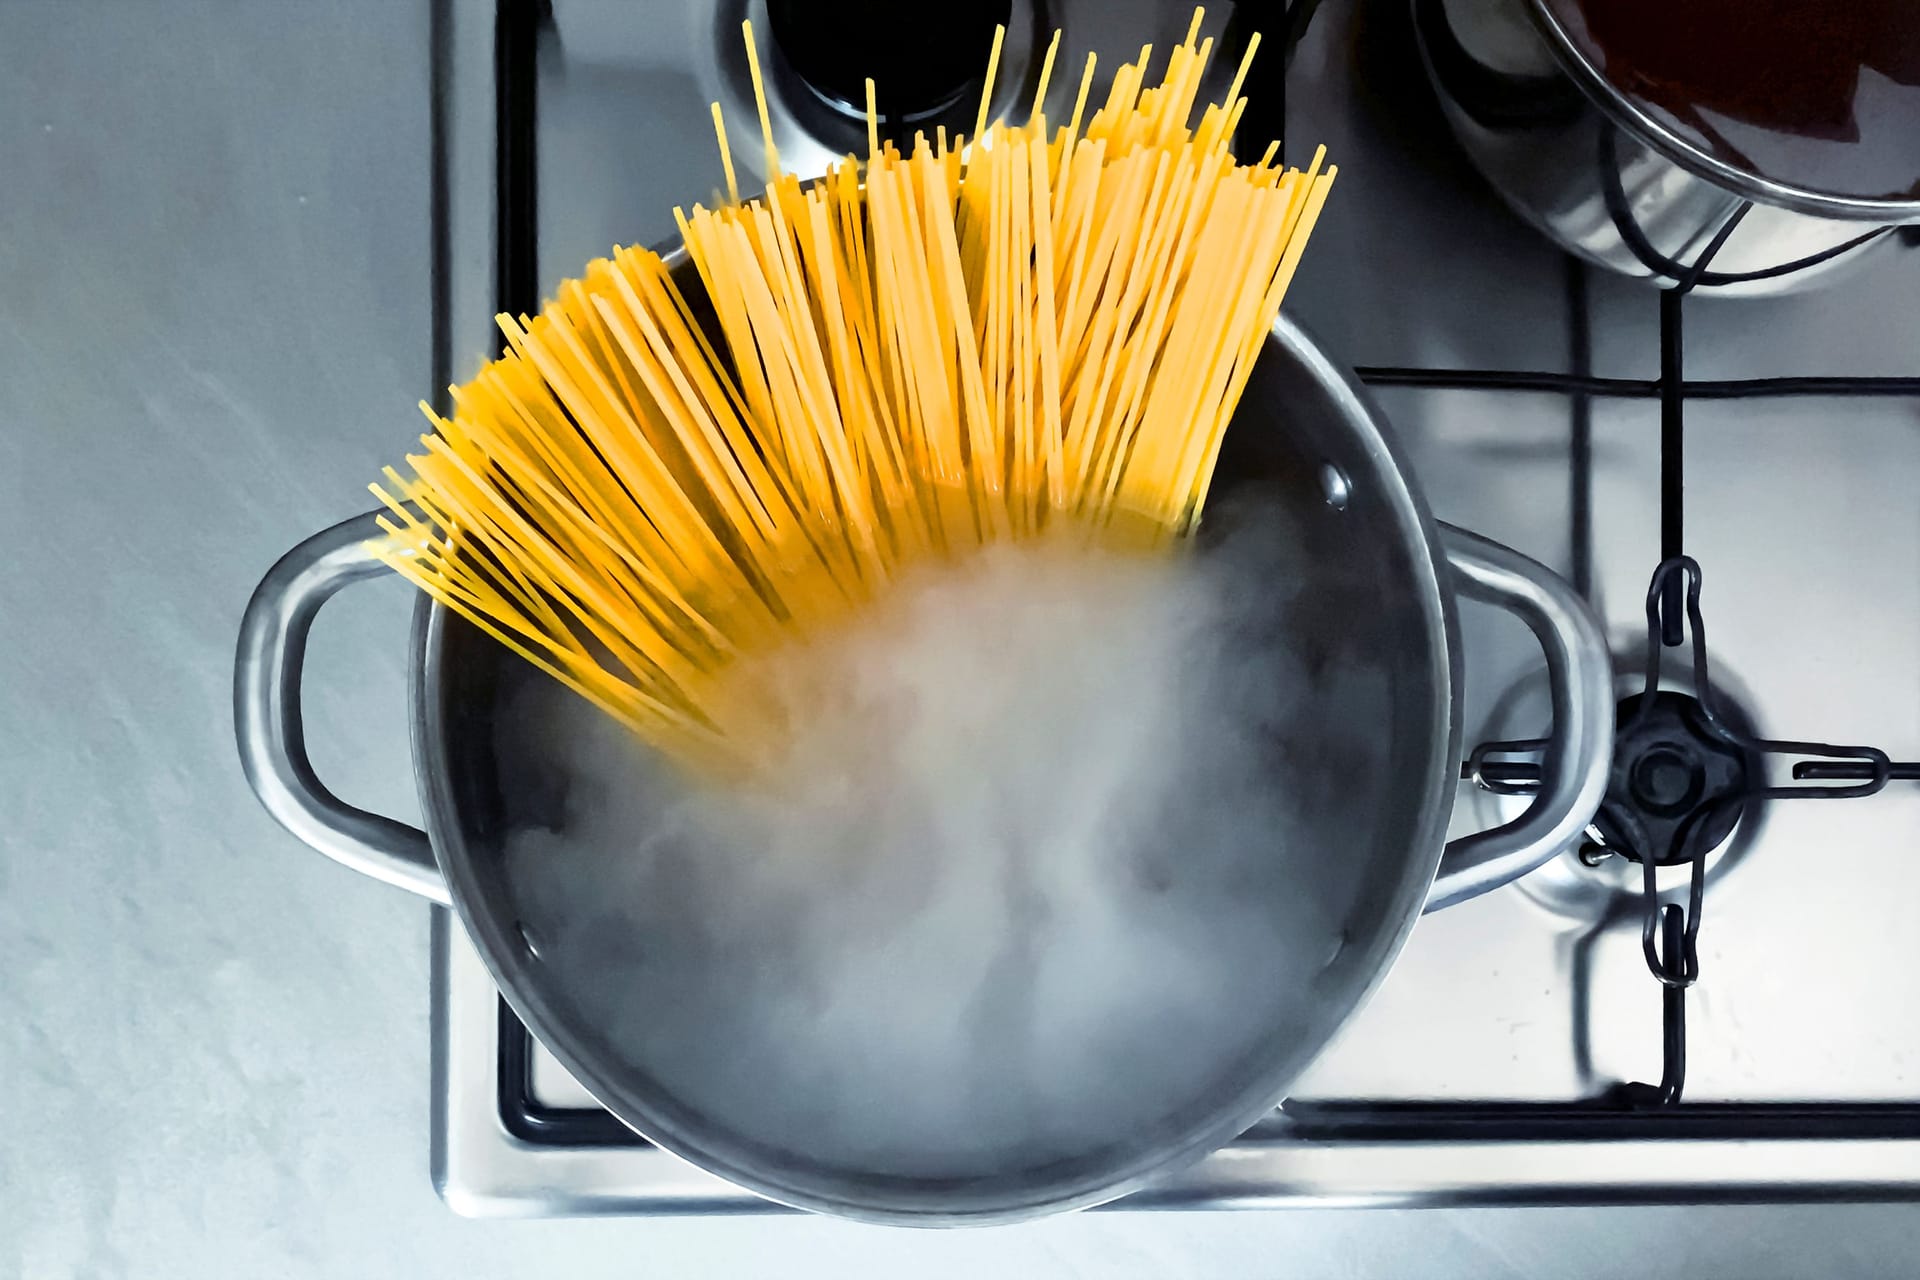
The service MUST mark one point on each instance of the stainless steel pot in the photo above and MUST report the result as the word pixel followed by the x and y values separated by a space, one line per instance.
pixel 1607 178
pixel 1383 578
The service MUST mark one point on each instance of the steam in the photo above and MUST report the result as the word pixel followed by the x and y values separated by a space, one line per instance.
pixel 1018 888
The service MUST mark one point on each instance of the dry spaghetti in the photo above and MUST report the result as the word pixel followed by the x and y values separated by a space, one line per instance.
pixel 967 342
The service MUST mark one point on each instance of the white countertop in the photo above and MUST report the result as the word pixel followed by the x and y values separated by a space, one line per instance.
pixel 213 328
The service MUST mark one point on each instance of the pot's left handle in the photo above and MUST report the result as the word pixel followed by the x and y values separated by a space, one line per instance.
pixel 1580 748
pixel 266 714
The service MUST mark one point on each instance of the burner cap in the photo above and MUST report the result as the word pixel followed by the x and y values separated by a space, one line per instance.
pixel 923 58
pixel 1671 769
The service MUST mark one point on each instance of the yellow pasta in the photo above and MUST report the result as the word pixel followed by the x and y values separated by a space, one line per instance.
pixel 969 341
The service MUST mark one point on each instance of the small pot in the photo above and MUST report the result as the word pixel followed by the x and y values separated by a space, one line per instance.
pixel 1614 180
pixel 1386 690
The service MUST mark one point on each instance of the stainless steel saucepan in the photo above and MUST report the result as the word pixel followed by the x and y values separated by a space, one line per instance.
pixel 1576 147
pixel 1378 584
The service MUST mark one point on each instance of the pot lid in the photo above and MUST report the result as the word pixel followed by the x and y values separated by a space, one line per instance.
pixel 1813 104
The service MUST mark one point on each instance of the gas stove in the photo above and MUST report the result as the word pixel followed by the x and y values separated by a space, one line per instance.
pixel 1710 998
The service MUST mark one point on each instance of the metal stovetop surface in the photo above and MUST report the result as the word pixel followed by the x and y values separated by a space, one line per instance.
pixel 1471 1074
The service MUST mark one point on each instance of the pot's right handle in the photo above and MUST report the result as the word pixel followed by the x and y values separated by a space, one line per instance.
pixel 1580 749
pixel 266 714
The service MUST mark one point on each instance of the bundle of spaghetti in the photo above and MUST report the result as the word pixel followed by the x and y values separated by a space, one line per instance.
pixel 1013 335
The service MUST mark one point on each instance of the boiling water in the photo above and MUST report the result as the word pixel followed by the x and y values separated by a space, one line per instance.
pixel 1026 881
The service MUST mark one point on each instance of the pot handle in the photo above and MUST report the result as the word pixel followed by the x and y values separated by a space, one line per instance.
pixel 1580 748
pixel 266 714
